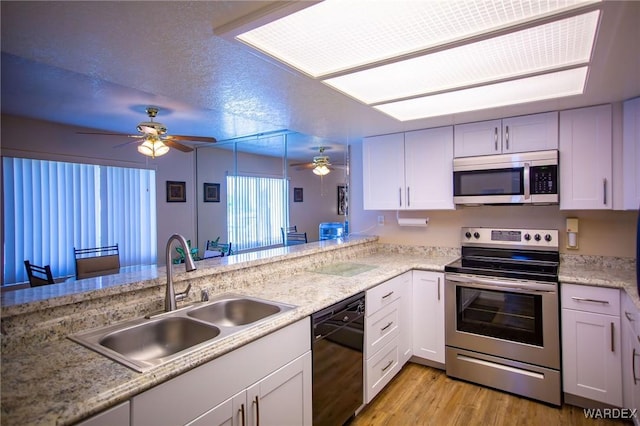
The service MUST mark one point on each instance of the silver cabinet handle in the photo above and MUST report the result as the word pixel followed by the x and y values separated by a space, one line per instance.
pixel 495 138
pixel 242 414
pixel 400 196
pixel 604 184
pixel 507 136
pixel 584 299
pixel 633 366
pixel 387 326
pixel 256 402
pixel 438 288
pixel 629 316
pixel 387 295
pixel 408 196
pixel 613 349
pixel 388 365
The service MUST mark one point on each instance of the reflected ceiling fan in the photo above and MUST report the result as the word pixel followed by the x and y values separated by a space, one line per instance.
pixel 154 138
pixel 321 164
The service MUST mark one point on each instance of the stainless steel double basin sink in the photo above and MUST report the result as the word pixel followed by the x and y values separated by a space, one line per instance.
pixel 145 343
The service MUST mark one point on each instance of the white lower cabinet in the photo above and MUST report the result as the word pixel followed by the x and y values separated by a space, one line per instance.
pixel 630 354
pixel 386 345
pixel 591 345
pixel 269 379
pixel 428 316
pixel 114 416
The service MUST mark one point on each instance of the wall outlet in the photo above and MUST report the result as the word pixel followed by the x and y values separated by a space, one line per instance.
pixel 381 220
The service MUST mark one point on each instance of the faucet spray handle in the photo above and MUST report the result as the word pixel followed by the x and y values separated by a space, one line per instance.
pixel 183 295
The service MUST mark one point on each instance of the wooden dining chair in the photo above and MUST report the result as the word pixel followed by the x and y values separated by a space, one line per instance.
pixel 38 275
pixel 97 261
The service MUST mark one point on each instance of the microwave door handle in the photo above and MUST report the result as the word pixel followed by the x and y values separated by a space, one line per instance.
pixel 527 182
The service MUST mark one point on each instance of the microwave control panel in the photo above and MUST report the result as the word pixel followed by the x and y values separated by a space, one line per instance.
pixel 544 179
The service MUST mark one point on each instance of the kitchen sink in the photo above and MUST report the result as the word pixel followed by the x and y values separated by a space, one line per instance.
pixel 145 343
pixel 235 311
pixel 158 339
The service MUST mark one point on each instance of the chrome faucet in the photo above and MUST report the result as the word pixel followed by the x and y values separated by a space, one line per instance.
pixel 171 297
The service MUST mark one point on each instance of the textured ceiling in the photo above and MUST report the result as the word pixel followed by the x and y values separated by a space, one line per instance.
pixel 99 64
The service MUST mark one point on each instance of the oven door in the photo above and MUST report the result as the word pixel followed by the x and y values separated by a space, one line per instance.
pixel 513 319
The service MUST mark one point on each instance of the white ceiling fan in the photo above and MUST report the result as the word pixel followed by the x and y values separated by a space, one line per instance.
pixel 320 165
pixel 154 138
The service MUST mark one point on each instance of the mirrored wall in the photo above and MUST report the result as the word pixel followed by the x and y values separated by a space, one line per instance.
pixel 312 199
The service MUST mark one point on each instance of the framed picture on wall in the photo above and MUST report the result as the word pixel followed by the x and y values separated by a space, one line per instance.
pixel 211 192
pixel 342 200
pixel 297 195
pixel 176 192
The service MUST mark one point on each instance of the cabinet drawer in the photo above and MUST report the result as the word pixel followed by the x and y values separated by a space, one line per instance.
pixel 381 368
pixel 381 328
pixel 385 293
pixel 591 299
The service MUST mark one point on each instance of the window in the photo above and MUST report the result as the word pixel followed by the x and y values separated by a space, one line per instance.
pixel 50 207
pixel 256 210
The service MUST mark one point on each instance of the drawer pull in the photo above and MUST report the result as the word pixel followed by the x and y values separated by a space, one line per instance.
pixel 633 366
pixel 388 365
pixel 584 299
pixel 387 295
pixel 613 349
pixel 387 326
pixel 241 412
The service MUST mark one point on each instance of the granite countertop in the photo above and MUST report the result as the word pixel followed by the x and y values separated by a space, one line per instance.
pixel 62 382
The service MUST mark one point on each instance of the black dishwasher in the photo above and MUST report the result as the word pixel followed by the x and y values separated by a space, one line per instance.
pixel 337 340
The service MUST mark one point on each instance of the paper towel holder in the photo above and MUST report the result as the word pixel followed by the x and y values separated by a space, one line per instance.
pixel 412 221
pixel 572 233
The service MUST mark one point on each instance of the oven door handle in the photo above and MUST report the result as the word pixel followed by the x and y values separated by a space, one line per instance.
pixel 496 284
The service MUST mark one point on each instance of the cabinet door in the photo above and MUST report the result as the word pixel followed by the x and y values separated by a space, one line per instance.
pixel 585 158
pixel 631 154
pixel 232 412
pixel 591 360
pixel 481 138
pixel 283 397
pixel 537 132
pixel 428 159
pixel 428 315
pixel 630 353
pixel 406 318
pixel 383 172
pixel 114 416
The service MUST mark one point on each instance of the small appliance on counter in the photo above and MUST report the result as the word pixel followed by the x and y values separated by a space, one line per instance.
pixel 331 230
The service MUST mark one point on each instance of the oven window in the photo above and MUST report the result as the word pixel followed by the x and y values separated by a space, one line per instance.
pixel 489 182
pixel 505 315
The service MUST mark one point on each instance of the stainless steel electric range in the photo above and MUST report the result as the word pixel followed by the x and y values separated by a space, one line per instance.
pixel 502 312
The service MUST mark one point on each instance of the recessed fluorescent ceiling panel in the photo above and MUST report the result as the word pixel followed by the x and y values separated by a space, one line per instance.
pixel 530 89
pixel 337 35
pixel 560 44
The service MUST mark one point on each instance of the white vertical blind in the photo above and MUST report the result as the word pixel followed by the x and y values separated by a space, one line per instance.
pixel 256 210
pixel 51 207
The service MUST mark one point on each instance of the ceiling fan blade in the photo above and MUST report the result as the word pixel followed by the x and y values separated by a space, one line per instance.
pixel 177 145
pixel 108 134
pixel 120 145
pixel 193 138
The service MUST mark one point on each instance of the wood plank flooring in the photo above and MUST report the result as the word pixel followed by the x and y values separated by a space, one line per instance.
pixel 422 395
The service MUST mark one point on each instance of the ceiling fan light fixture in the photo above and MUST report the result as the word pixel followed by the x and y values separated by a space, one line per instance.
pixel 321 170
pixel 153 147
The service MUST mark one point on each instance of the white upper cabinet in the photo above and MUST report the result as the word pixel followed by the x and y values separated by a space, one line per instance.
pixel 409 171
pixel 631 154
pixel 585 158
pixel 536 132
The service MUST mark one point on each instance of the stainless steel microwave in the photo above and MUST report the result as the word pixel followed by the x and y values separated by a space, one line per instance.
pixel 521 178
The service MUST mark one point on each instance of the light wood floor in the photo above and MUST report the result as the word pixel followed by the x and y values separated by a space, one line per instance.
pixel 426 396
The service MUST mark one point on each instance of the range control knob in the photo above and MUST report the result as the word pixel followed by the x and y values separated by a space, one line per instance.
pixel 527 237
pixel 547 237
pixel 476 235
pixel 467 234
pixel 536 237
